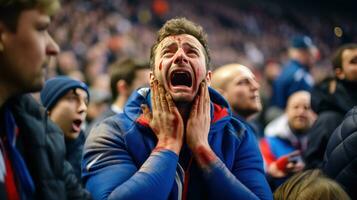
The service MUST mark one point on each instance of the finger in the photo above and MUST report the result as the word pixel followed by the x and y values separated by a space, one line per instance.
pixel 207 100
pixel 207 108
pixel 157 96
pixel 146 111
pixel 201 102
pixel 170 103
pixel 163 101
pixel 153 94
pixel 194 107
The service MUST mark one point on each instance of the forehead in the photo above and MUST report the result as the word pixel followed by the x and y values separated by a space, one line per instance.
pixel 78 92
pixel 243 73
pixel 348 54
pixel 33 15
pixel 183 39
pixel 299 99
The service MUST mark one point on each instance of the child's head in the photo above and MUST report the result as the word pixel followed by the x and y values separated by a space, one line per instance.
pixel 310 185
pixel 66 101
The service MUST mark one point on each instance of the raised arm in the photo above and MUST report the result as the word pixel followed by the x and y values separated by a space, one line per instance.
pixel 246 180
pixel 109 169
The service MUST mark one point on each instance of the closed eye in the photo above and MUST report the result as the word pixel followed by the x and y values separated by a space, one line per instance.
pixel 354 60
pixel 192 53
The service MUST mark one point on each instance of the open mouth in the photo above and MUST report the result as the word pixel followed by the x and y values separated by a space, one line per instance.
pixel 76 125
pixel 181 78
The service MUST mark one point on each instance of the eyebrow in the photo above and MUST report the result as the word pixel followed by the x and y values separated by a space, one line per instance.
pixel 174 43
pixel 191 46
pixel 74 91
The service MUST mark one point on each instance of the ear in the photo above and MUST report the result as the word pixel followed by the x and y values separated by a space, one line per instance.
pixel 339 73
pixel 209 77
pixel 152 76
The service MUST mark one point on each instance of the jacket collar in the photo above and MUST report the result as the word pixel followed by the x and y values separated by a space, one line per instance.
pixel 220 111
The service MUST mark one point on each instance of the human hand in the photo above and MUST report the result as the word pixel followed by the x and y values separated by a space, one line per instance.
pixel 287 164
pixel 199 121
pixel 165 119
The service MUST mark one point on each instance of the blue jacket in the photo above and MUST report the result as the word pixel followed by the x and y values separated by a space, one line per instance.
pixel 118 162
pixel 294 77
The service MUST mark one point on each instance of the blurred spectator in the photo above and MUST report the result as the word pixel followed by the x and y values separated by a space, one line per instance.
pixel 239 86
pixel 286 138
pixel 66 63
pixel 126 75
pixel 341 154
pixel 66 101
pixel 331 100
pixel 272 69
pixel 296 73
pixel 310 185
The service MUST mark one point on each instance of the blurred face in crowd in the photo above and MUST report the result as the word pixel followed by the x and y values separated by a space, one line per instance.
pixel 349 64
pixel 180 66
pixel 299 113
pixel 306 57
pixel 26 51
pixel 141 79
pixel 241 91
pixel 70 112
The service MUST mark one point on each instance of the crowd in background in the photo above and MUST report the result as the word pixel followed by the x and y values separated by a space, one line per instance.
pixel 276 67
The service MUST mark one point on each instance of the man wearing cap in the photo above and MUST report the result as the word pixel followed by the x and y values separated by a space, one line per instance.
pixel 296 73
pixel 66 103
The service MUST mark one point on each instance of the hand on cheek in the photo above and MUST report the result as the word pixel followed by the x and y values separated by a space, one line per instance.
pixel 165 119
pixel 198 126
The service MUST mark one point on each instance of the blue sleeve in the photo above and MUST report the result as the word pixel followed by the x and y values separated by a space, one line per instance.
pixel 247 179
pixel 110 173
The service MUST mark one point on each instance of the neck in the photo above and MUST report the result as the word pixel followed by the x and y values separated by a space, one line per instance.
pixel 4 94
pixel 120 101
pixel 185 110
pixel 241 115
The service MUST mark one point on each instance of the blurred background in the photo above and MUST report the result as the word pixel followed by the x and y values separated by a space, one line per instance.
pixel 93 34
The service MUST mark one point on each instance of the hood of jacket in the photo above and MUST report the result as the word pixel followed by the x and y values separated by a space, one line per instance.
pixel 220 110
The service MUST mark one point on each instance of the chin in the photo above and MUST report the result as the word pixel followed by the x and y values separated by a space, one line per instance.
pixel 182 98
pixel 72 136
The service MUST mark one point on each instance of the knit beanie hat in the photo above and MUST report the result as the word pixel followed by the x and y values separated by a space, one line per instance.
pixel 57 87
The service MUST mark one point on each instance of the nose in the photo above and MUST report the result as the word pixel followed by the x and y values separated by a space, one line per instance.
pixel 82 108
pixel 52 48
pixel 180 57
pixel 301 110
pixel 255 85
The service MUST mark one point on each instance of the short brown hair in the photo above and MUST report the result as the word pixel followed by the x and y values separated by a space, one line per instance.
pixel 124 69
pixel 310 185
pixel 337 55
pixel 179 26
pixel 10 10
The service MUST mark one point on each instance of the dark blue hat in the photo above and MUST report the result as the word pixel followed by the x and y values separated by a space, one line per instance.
pixel 301 42
pixel 57 87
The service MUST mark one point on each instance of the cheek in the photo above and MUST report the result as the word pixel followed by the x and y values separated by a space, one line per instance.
pixel 200 73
